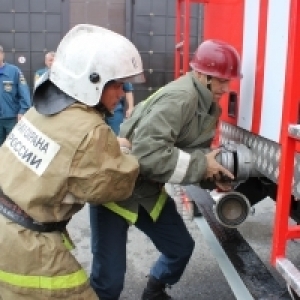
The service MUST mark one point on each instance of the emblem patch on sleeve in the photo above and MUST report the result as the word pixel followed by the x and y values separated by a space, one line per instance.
pixel 22 79
pixel 7 86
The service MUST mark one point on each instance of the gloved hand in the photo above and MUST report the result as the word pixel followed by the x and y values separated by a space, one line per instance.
pixel 223 183
pixel 215 171
pixel 224 186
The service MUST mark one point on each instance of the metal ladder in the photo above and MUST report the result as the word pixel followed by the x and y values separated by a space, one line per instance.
pixel 289 141
pixel 182 35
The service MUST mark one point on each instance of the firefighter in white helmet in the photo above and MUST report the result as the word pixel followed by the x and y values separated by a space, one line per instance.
pixel 171 134
pixel 59 156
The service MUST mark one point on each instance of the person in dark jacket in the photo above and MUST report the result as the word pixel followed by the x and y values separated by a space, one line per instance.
pixel 14 96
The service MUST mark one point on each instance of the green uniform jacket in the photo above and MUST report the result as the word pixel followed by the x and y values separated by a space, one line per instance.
pixel 170 132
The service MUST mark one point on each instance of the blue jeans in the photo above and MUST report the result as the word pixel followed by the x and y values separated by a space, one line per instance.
pixel 6 126
pixel 109 235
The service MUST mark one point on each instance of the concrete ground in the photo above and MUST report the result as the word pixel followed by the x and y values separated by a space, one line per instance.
pixel 203 278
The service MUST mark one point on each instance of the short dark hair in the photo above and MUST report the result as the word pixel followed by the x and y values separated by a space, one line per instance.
pixel 110 82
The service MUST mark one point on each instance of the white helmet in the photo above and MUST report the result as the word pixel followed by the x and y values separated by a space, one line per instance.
pixel 88 57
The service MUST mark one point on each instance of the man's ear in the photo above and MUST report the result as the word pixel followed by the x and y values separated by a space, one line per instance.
pixel 208 79
pixel 204 79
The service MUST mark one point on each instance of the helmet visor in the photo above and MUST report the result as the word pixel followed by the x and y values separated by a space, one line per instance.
pixel 138 78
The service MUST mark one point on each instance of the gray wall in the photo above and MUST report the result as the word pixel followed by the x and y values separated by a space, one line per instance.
pixel 30 28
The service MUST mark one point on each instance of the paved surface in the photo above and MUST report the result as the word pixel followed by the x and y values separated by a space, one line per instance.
pixel 203 279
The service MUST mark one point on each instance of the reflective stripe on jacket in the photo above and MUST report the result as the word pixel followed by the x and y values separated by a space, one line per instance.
pixel 38 266
pixel 51 166
pixel 130 213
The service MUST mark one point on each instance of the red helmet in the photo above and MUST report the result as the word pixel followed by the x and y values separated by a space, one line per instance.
pixel 217 59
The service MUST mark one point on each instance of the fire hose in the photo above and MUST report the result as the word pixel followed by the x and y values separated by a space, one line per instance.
pixel 232 208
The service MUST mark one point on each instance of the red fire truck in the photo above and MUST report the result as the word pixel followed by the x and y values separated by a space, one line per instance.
pixel 259 127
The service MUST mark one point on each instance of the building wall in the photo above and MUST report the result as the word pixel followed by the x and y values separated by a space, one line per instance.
pixel 106 13
pixel 30 28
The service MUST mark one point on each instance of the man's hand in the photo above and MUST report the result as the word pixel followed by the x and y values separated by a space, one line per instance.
pixel 128 112
pixel 216 171
pixel 124 142
pixel 125 145
pixel 224 186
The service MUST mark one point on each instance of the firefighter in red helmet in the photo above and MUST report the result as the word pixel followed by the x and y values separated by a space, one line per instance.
pixel 216 64
pixel 217 59
pixel 171 134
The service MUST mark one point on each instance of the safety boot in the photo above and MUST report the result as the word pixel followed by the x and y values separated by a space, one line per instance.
pixel 155 290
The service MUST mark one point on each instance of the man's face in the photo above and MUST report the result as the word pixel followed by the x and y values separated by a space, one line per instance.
pixel 49 60
pixel 111 95
pixel 1 57
pixel 218 87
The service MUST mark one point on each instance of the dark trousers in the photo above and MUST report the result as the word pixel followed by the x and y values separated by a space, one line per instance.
pixel 109 235
pixel 6 126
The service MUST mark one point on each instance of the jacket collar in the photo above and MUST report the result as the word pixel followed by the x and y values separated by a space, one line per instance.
pixel 206 97
pixel 206 101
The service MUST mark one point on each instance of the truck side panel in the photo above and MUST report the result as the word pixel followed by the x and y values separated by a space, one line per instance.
pixel 259 30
